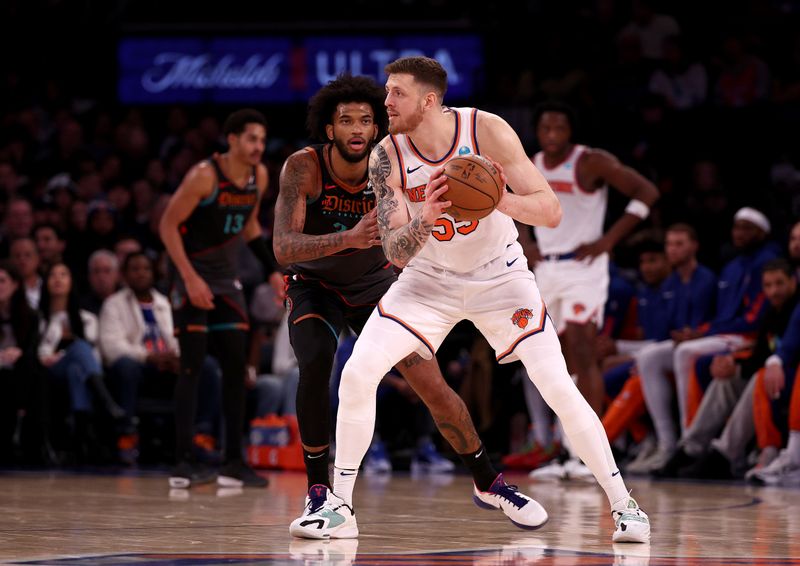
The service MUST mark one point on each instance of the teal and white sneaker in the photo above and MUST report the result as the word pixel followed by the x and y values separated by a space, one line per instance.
pixel 325 516
pixel 632 523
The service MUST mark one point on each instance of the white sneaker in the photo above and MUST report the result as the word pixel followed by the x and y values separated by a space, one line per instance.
pixel 554 471
pixel 778 471
pixel 632 524
pixel 524 512
pixel 765 459
pixel 325 516
pixel 576 470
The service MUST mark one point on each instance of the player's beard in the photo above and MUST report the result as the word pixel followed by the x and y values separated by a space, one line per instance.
pixel 405 125
pixel 351 156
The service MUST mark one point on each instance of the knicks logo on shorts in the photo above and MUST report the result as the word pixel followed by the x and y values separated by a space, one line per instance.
pixel 578 308
pixel 521 317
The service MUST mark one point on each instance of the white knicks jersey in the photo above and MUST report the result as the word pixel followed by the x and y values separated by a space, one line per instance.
pixel 583 211
pixel 458 246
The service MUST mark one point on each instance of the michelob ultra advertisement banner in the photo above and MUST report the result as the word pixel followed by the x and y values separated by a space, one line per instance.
pixel 277 69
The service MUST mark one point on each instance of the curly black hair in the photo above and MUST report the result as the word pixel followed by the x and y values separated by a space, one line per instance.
pixel 345 88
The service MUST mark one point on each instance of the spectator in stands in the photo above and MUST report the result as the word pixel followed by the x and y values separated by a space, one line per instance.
pixel 11 182
pixel 101 227
pixel 50 244
pixel 735 380
pixel 25 259
pixel 141 353
pixel 794 249
pixel 776 400
pixel 739 305
pixel 682 83
pixel 67 349
pixel 744 78
pixel 104 280
pixel 121 200
pixel 684 301
pixel 61 191
pixel 125 246
pixel 651 28
pixel 21 376
pixel 18 223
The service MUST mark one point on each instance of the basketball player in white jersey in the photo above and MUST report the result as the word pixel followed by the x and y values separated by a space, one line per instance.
pixel 571 259
pixel 454 271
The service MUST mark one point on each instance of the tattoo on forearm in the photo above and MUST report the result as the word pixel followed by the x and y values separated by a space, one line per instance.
pixel 403 243
pixel 290 216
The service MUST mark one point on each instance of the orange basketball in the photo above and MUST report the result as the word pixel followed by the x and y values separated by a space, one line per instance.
pixel 474 187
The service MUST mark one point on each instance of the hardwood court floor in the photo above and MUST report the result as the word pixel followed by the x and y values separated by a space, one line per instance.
pixel 134 519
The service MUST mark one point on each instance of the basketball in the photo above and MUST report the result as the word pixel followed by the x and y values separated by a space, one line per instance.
pixel 474 187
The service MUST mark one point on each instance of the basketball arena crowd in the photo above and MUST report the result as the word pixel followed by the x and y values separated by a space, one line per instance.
pixel 709 113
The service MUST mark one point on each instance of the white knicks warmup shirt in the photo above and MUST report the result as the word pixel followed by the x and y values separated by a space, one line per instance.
pixel 458 246
pixel 583 211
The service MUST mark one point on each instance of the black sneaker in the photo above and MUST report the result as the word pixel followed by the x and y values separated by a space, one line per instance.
pixel 239 474
pixel 185 475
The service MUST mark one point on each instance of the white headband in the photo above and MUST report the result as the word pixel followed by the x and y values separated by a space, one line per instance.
pixel 753 216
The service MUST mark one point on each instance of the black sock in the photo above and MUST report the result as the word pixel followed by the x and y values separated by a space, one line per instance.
pixel 317 467
pixel 483 473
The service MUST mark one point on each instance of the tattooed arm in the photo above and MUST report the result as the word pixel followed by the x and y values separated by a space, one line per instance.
pixel 403 239
pixel 300 181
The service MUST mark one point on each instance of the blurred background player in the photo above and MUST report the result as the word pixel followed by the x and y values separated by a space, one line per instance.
pixel 216 206
pixel 571 260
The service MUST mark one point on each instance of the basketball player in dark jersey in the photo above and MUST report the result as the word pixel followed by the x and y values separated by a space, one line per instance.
pixel 215 206
pixel 326 232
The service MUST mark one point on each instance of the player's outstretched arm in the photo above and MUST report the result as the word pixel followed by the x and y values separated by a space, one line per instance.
pixel 300 180
pixel 403 239
pixel 532 201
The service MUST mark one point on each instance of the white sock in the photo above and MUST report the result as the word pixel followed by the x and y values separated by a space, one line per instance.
pixel 793 447
pixel 344 481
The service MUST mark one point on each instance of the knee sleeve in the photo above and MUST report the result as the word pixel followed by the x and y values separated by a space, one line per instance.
pixel 315 348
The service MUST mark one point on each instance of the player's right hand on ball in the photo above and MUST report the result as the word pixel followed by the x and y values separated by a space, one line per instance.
pixel 365 234
pixel 200 294
pixel 434 206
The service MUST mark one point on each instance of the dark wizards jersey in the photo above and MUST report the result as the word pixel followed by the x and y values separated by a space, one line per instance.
pixel 359 276
pixel 212 230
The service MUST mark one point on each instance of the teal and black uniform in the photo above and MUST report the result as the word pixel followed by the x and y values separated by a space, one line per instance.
pixel 326 295
pixel 342 288
pixel 210 236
